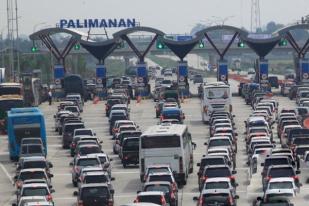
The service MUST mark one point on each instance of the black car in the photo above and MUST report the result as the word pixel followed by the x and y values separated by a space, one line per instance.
pixel 95 194
pixel 68 131
pixel 109 104
pixel 130 151
pixel 210 160
pixel 114 119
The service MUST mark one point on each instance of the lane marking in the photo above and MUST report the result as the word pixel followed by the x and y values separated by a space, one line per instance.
pixel 6 173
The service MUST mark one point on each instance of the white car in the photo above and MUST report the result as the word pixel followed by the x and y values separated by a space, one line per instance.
pixel 279 193
pixel 220 183
pixel 286 183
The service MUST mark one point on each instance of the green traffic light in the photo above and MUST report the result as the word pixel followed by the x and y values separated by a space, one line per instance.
pixel 77 47
pixel 241 45
pixel 34 49
pixel 160 46
pixel 201 45
pixel 283 42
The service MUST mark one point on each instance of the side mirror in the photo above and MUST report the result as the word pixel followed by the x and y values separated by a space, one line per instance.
pixel 54 116
pixel 112 191
pixel 195 198
pixel 205 143
pixel 71 163
pixel 15 177
pixel 234 172
pixel 112 178
pixel 14 204
pixel 236 134
pixel 300 184
pixel 236 184
pixel 298 172
pixel 52 191
pixel 259 199
pixel 262 164
pixel 75 193
pixel 101 142
pixel 198 164
pixel 110 159
pixel 50 165
pixel 236 197
pixel 50 175
pixel 138 192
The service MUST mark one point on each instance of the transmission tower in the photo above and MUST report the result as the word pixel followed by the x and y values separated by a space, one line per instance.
pixel 255 15
pixel 13 37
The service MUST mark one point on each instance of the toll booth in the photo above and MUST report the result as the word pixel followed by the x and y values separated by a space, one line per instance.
pixel 100 89
pixel 142 87
pixel 182 79
pixel 58 91
pixel 222 70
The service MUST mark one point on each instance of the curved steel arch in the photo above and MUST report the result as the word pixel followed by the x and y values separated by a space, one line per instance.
pixel 137 29
pixel 282 32
pixel 201 33
pixel 50 31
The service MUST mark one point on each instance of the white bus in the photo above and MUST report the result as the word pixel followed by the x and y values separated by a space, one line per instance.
pixel 217 97
pixel 167 144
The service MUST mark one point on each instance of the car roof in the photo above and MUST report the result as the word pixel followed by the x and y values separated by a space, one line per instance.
pixel 218 179
pixel 157 183
pixel 94 185
pixel 214 191
pixel 150 193
pixel 33 185
pixel 34 158
pixel 160 173
pixel 33 170
pixel 282 179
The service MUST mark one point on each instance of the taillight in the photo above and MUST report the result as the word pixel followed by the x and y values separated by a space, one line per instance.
pixel 203 178
pixel 76 169
pixel 200 201
pixel 296 178
pixel 174 186
pixel 110 202
pixel 73 145
pixel 163 200
pixel 161 117
pixel 19 184
pixel 180 165
pixel 172 196
pixel 49 198
pixel 231 200
pixel 80 203
pixel 126 158
pixel 268 178
pixel 143 165
pixel 136 200
pixel 205 109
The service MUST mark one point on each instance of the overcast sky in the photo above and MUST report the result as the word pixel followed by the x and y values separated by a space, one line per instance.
pixel 170 16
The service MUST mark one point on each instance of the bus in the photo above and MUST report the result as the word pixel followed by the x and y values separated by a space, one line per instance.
pixel 7 102
pixel 74 83
pixel 216 97
pixel 167 144
pixel 11 88
pixel 22 123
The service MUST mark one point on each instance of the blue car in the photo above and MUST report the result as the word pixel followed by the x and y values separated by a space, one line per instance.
pixel 172 113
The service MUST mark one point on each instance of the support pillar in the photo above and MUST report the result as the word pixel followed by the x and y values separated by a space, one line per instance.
pixel 142 87
pixel 222 70
pixel 59 73
pixel 182 79
pixel 101 90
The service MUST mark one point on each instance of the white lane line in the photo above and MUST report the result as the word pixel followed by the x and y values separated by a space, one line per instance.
pixel 6 173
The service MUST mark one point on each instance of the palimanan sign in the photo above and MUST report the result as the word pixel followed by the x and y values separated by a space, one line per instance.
pixel 97 23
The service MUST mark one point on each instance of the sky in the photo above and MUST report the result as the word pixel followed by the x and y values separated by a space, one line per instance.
pixel 169 16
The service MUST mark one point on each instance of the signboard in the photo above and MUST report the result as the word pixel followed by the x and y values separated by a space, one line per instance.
pixel 259 36
pixel 97 23
pixel 228 37
pixel 304 64
pixel 183 38
pixel 100 71
pixel 183 68
pixel 222 70
pixel 58 72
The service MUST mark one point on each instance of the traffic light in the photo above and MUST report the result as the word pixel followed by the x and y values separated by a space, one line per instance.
pixel 160 44
pixel 77 47
pixel 34 49
pixel 241 44
pixel 201 44
pixel 283 42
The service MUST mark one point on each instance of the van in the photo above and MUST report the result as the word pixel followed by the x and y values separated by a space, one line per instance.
pixel 68 131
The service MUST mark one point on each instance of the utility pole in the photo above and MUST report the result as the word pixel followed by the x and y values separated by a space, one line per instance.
pixel 255 16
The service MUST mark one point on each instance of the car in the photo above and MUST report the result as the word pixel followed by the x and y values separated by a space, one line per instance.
pixel 35 189
pixel 95 194
pixel 109 103
pixel 209 197
pixel 73 109
pixel 212 171
pixel 33 162
pixel 84 132
pixel 32 199
pixel 67 134
pixel 96 177
pixel 155 197
pixel 220 183
pixel 83 161
pixel 156 168
pixel 105 162
pixel 283 183
pixel 119 123
pixel 198 79
pixel 77 140
pixel 87 149
pixel 210 160
pixel 171 196
pixel 28 150
pixel 26 174
pixel 129 151
pixel 163 176
pixel 120 116
pixel 275 200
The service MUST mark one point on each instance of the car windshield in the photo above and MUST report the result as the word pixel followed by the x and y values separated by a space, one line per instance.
pixel 83 132
pixel 218 172
pixel 281 172
pixel 212 161
pixel 71 128
pixel 157 170
pixel 219 142
pixel 276 161
pixel 217 93
pixel 131 145
pixel 301 141
pixel 167 178
pixel 156 199
pixel 94 192
pixel 34 164
pixel 89 150
pixel 71 109
pixel 35 191
pixel 157 187
pixel 301 150
pixel 87 162
pixel 217 185
pixel 95 179
pixel 32 175
pixel 30 149
pixel 281 185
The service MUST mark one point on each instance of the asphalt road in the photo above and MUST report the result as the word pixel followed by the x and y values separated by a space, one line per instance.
pixel 127 180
